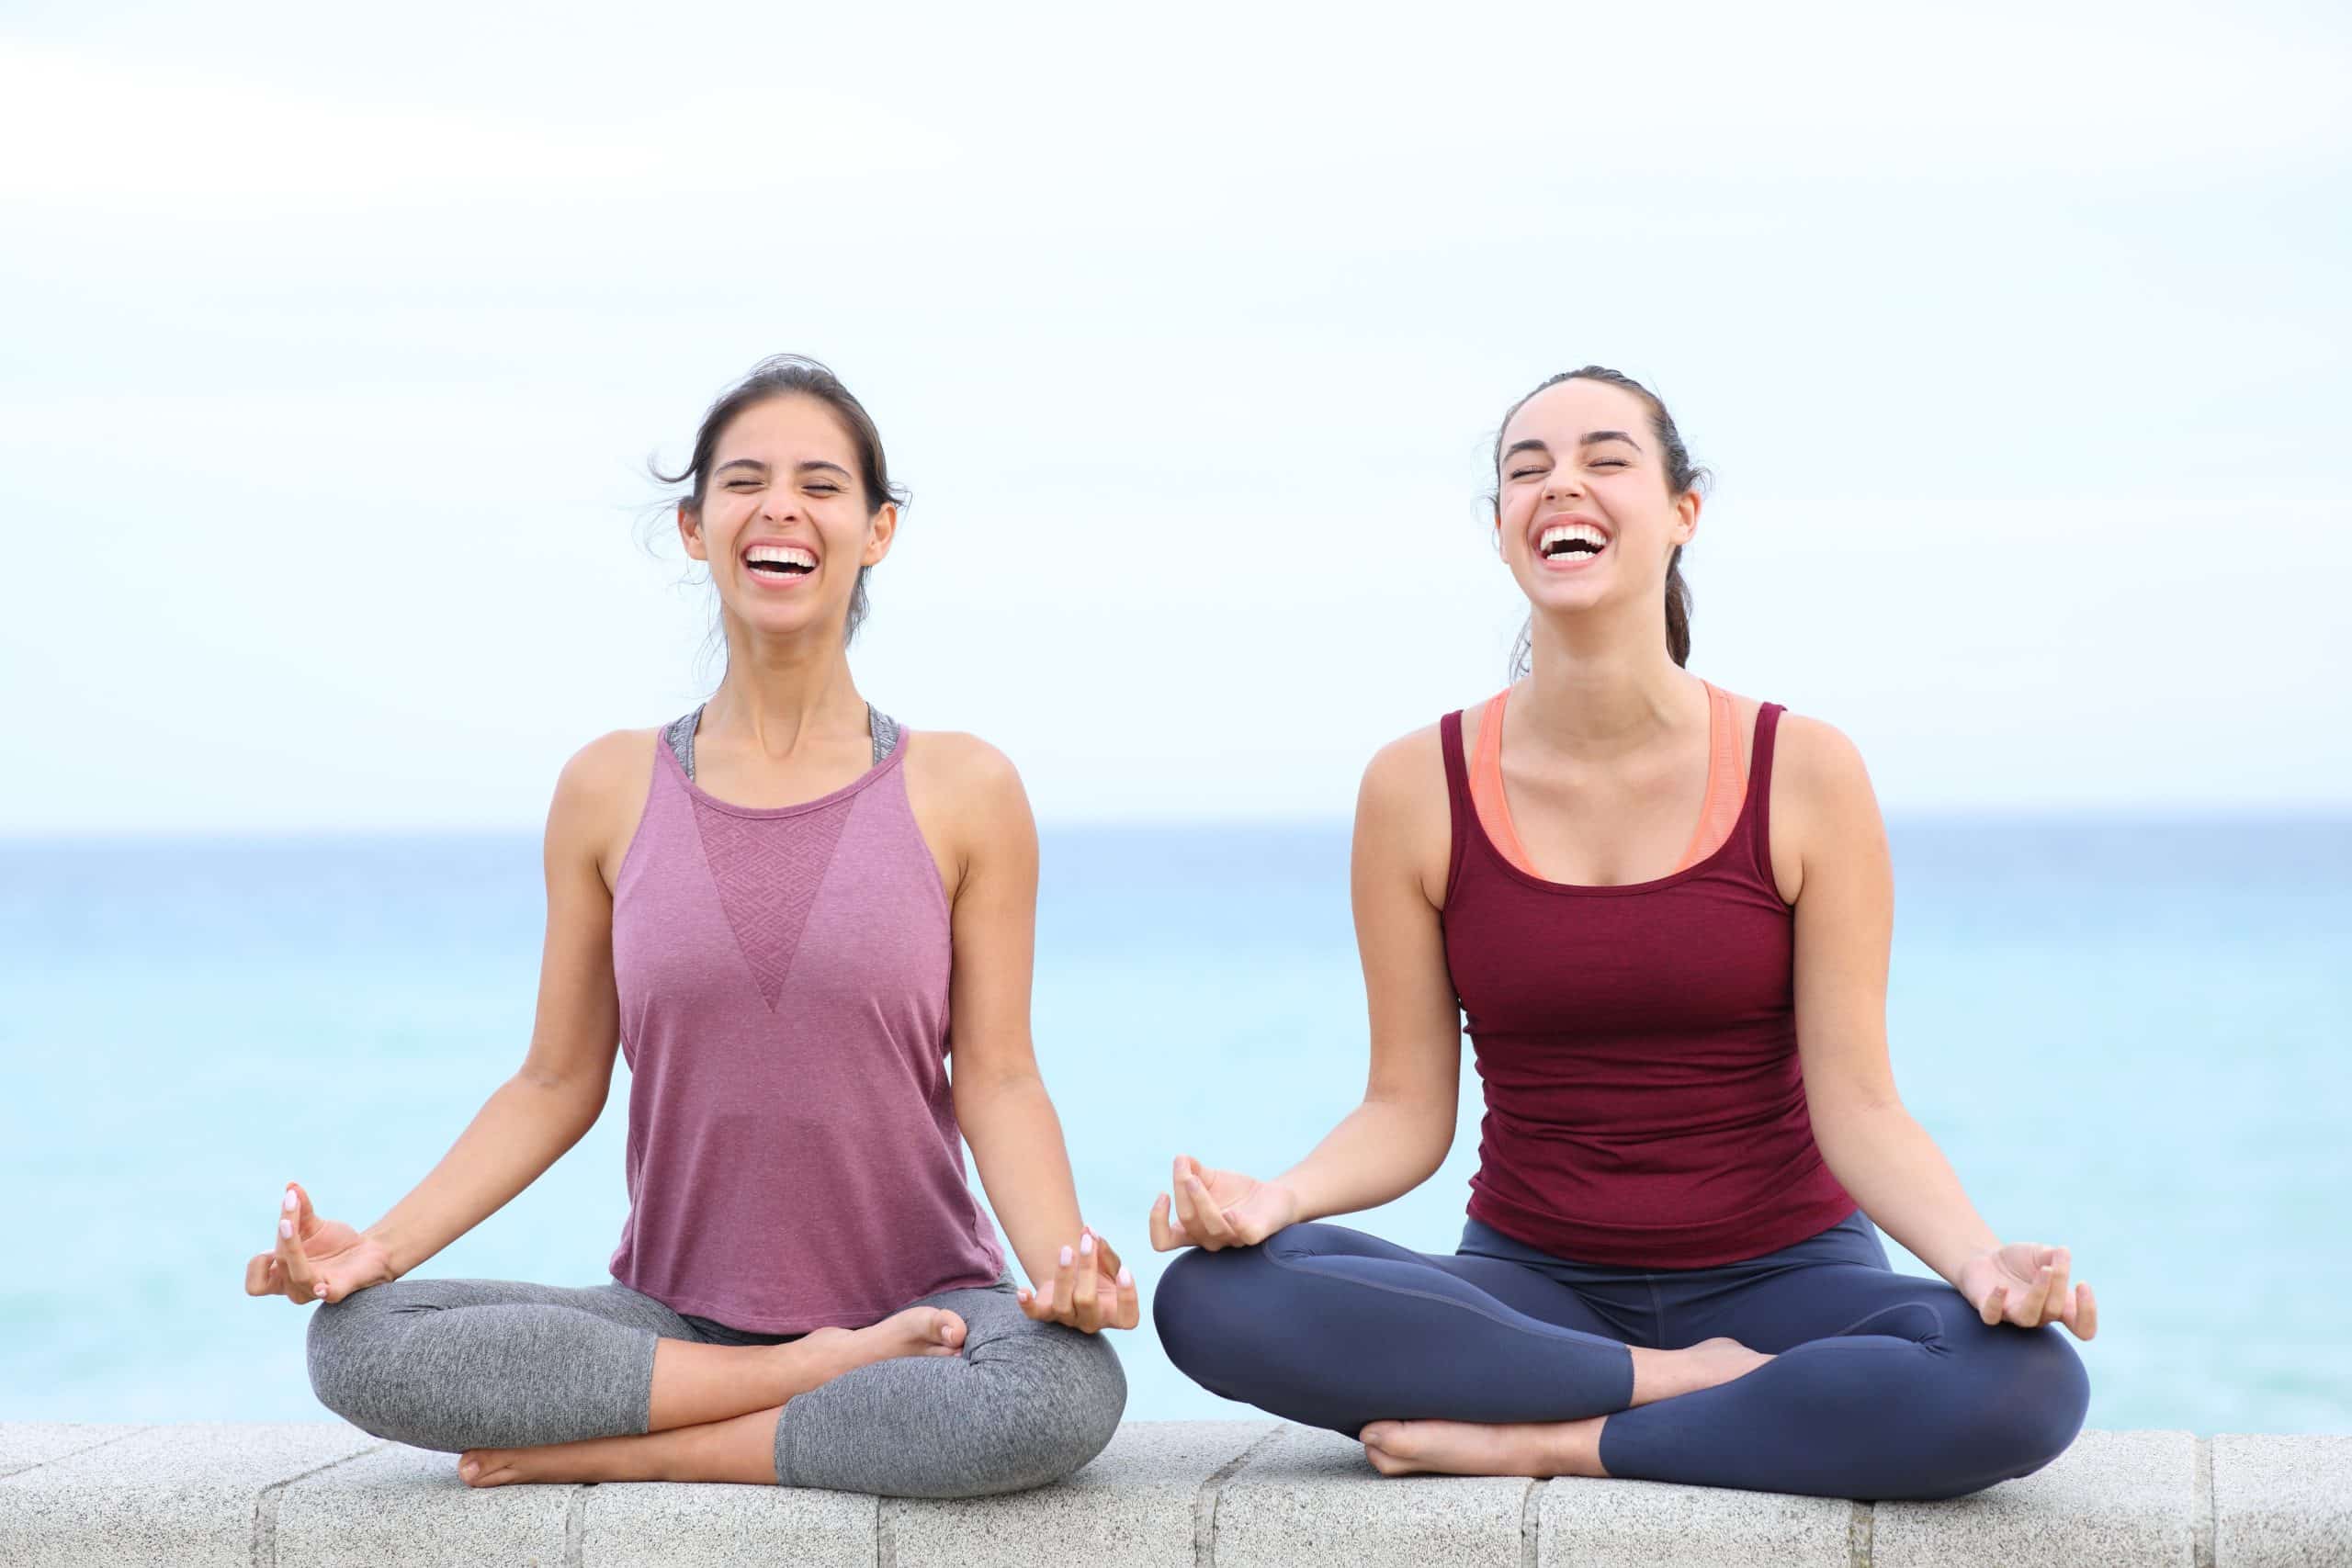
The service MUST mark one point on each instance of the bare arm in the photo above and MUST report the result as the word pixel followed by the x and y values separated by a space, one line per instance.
pixel 1000 1099
pixel 554 1097
pixel 1001 1105
pixel 1398 1137
pixel 532 1117
pixel 1845 920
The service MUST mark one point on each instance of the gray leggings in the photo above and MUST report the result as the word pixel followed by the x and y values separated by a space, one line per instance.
pixel 456 1364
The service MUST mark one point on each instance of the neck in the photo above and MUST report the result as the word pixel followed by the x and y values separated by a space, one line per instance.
pixel 780 694
pixel 1601 683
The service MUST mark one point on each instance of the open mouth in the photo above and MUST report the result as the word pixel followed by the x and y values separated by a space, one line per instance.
pixel 1571 542
pixel 779 560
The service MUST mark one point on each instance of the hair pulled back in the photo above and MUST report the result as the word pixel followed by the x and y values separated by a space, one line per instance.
pixel 795 374
pixel 1683 476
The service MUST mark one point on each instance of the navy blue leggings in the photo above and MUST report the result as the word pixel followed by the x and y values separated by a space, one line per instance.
pixel 1884 1385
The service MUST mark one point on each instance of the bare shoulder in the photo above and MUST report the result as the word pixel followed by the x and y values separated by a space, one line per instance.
pixel 599 796
pixel 971 809
pixel 1409 769
pixel 1819 758
pixel 949 762
pixel 1825 814
pixel 1403 826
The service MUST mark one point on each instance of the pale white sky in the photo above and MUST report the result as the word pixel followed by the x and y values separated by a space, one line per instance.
pixel 332 346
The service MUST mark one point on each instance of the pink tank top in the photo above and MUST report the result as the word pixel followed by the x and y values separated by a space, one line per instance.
pixel 793 1154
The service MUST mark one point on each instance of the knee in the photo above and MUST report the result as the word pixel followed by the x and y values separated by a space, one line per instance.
pixel 1210 1306
pixel 2032 1393
pixel 351 1352
pixel 340 1349
pixel 1066 1393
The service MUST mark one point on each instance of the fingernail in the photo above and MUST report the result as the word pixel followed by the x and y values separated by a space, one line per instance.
pixel 1086 1245
pixel 286 1227
pixel 292 1203
pixel 1066 1255
pixel 1126 1276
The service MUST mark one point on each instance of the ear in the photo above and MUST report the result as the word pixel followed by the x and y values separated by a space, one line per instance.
pixel 690 531
pixel 1686 517
pixel 880 530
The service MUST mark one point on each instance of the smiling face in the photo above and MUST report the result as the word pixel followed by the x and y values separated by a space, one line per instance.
pixel 784 519
pixel 1584 506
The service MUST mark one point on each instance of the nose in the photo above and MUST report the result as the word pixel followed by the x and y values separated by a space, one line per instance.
pixel 1562 486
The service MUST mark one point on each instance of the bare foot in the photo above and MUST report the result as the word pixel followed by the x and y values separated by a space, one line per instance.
pixel 1662 1375
pixel 741 1449
pixel 1466 1447
pixel 918 1331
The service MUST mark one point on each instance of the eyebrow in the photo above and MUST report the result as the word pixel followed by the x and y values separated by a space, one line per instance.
pixel 1589 438
pixel 763 467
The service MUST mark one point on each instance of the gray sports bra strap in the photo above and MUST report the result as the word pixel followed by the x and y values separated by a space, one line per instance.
pixel 679 734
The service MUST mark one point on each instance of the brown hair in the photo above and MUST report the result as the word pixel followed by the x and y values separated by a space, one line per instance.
pixel 1683 476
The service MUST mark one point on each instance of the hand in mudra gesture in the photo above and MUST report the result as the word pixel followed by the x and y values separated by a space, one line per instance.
pixel 2029 1285
pixel 1093 1291
pixel 1217 1209
pixel 316 1259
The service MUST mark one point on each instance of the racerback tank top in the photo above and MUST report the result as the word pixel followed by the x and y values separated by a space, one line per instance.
pixel 793 1159
pixel 1644 1103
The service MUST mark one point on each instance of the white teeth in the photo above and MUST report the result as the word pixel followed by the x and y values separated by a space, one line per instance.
pixel 790 555
pixel 1559 531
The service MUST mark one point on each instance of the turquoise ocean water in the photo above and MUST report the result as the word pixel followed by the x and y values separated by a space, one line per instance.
pixel 2132 1038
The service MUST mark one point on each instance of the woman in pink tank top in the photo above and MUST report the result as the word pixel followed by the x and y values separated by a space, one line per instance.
pixel 774 907
pixel 1664 912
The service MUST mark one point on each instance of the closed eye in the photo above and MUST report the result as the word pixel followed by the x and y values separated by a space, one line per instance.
pixel 1524 473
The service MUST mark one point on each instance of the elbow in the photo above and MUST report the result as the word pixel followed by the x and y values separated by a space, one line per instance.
pixel 571 1103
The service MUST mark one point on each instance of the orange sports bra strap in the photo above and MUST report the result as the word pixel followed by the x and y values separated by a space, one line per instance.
pixel 1486 783
pixel 1727 779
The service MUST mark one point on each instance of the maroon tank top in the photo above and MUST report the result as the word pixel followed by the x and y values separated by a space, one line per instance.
pixel 1645 1103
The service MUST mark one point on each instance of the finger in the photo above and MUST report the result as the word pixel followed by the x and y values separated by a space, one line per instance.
pixel 2086 1322
pixel 1038 1305
pixel 1186 1213
pixel 292 1263
pixel 1129 1308
pixel 297 1204
pixel 1086 1302
pixel 2060 1307
pixel 1065 1280
pixel 2025 1307
pixel 1163 1235
pixel 1995 1306
pixel 257 1274
pixel 1106 1257
pixel 1206 1222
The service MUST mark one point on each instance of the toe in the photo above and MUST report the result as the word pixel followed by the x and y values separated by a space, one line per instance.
pixel 948 1329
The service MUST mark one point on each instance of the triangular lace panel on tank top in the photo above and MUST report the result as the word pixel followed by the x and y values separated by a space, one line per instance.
pixel 767 869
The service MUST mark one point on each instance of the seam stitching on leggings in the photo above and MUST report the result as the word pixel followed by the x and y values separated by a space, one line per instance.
pixel 1205 1500
pixel 885 1544
pixel 1861 1531
pixel 69 1453
pixel 1530 1524
pixel 2202 1520
pixel 1541 1330
pixel 265 1542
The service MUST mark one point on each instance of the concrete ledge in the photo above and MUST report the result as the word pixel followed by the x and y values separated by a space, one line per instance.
pixel 1166 1495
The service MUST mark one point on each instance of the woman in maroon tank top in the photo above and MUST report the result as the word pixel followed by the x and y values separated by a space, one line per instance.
pixel 1665 1273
